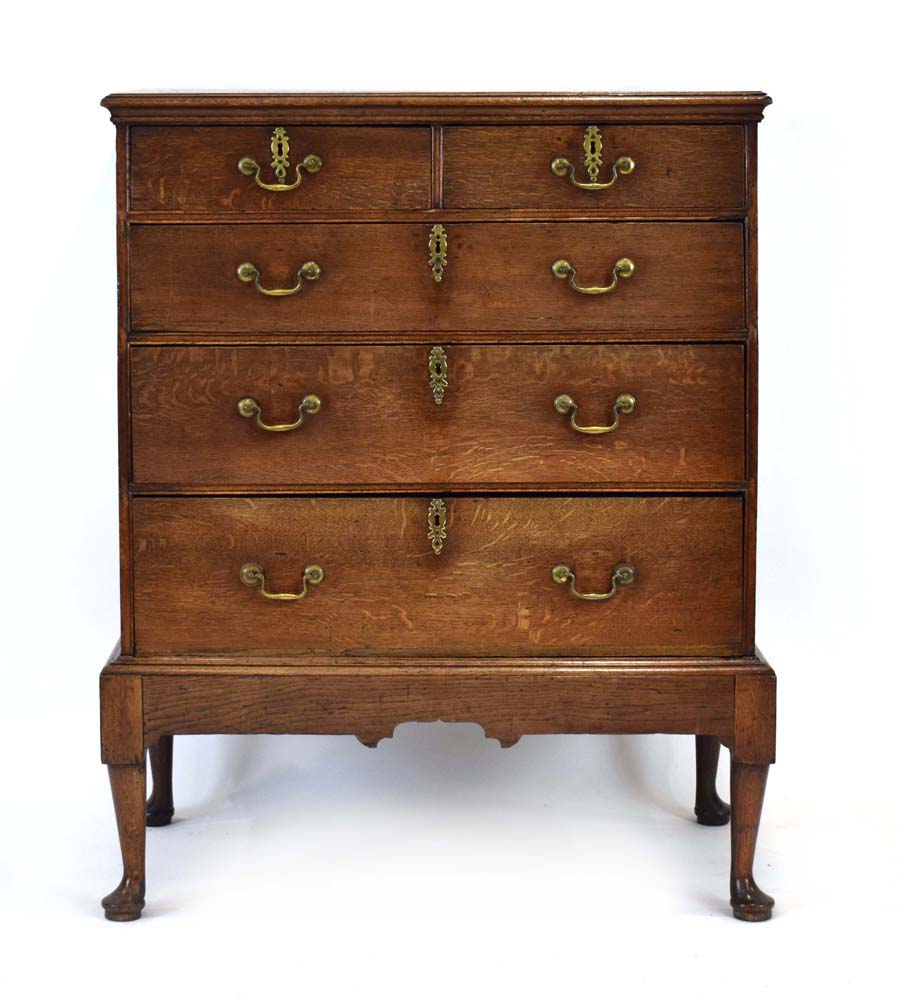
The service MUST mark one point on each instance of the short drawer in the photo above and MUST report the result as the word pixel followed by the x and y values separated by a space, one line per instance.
pixel 496 276
pixel 421 415
pixel 674 167
pixel 196 169
pixel 201 567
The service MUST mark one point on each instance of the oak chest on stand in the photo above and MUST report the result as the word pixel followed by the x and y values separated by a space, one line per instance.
pixel 437 407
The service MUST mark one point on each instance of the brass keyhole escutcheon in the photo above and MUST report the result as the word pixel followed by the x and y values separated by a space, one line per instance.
pixel 437 252
pixel 438 381
pixel 280 148
pixel 593 150
pixel 437 532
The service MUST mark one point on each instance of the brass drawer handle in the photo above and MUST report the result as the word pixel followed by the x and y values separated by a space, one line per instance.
pixel 593 147
pixel 280 148
pixel 252 575
pixel 623 576
pixel 249 407
pixel 565 404
pixel 310 270
pixel 623 268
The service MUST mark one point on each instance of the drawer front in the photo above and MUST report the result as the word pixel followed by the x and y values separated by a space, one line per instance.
pixel 498 276
pixel 489 592
pixel 195 169
pixel 675 167
pixel 379 421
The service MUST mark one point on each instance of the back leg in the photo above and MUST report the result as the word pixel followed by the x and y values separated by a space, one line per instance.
pixel 709 807
pixel 159 806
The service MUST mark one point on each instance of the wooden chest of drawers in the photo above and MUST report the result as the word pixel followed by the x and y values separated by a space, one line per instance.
pixel 437 407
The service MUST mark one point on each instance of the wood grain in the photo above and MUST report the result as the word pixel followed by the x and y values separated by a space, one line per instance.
pixel 392 109
pixel 376 277
pixel 677 167
pixel 386 591
pixel 446 216
pixel 121 733
pixel 379 422
pixel 751 389
pixel 415 667
pixel 446 337
pixel 755 719
pixel 126 611
pixel 507 707
pixel 194 169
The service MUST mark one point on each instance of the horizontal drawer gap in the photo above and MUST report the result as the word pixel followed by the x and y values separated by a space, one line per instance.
pixel 239 338
pixel 429 215
pixel 505 337
pixel 465 489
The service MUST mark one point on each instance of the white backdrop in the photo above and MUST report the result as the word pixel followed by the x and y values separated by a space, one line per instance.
pixel 439 864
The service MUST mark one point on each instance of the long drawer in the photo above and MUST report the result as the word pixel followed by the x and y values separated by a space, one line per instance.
pixel 415 415
pixel 195 169
pixel 505 579
pixel 673 167
pixel 381 277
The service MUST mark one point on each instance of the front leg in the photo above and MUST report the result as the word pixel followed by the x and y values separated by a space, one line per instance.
pixel 709 807
pixel 749 902
pixel 160 808
pixel 128 783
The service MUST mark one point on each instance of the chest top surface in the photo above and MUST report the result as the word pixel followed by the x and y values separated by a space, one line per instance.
pixel 710 106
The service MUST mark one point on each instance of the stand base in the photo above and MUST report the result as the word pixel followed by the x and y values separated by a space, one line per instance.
pixel 720 700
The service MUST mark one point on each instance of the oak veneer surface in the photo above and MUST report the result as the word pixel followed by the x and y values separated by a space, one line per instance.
pixel 385 590
pixel 505 706
pixel 676 167
pixel 184 108
pixel 689 276
pixel 195 169
pixel 497 423
pixel 480 632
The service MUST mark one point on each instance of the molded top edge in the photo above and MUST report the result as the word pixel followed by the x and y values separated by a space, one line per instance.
pixel 387 108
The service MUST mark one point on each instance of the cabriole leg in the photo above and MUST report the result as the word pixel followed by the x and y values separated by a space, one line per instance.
pixel 709 807
pixel 159 806
pixel 128 783
pixel 749 902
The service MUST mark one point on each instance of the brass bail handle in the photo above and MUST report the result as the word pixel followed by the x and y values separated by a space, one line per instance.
pixel 623 268
pixel 252 575
pixel 247 272
pixel 592 147
pixel 623 576
pixel 280 147
pixel 249 407
pixel 567 406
